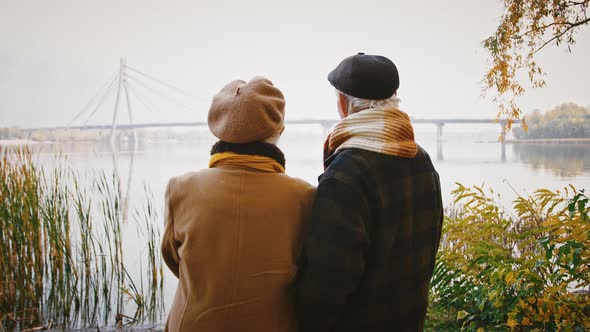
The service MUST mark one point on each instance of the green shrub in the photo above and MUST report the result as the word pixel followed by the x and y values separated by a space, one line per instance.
pixel 527 270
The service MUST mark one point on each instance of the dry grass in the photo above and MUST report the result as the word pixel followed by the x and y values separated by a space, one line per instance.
pixel 61 250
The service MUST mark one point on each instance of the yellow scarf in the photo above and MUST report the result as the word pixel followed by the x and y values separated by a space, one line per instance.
pixel 246 161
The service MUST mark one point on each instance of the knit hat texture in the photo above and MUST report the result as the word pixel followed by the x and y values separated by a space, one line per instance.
pixel 247 112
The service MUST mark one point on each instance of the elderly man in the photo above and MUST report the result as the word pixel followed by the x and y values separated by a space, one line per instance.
pixel 370 247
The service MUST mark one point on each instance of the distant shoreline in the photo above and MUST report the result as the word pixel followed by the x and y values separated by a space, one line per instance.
pixel 17 141
pixel 548 140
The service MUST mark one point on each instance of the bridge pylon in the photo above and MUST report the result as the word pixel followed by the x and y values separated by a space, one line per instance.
pixel 122 87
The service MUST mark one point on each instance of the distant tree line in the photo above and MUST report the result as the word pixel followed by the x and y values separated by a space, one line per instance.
pixel 12 132
pixel 568 120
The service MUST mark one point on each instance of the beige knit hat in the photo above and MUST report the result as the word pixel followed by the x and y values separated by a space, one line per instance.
pixel 247 112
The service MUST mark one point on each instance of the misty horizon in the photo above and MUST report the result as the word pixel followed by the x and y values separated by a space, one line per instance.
pixel 54 57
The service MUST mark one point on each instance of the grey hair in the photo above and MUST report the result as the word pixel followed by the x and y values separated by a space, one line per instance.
pixel 356 105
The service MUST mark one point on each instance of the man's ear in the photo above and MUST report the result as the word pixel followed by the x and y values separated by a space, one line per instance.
pixel 343 105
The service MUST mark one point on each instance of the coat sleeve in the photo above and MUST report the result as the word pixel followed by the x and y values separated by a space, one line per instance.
pixel 169 243
pixel 333 261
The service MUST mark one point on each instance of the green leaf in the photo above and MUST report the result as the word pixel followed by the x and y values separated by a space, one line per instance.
pixel 571 207
pixel 582 206
pixel 549 253
pixel 462 314
pixel 565 250
pixel 575 244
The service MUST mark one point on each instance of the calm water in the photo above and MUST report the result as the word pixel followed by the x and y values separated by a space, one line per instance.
pixel 469 155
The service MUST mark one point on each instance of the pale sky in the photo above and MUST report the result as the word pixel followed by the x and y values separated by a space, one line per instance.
pixel 55 55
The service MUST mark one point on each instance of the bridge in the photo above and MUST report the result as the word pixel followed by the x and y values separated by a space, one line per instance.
pixel 130 82
pixel 322 122
pixel 325 123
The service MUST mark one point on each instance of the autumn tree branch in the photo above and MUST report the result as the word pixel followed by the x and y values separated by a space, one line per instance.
pixel 563 33
pixel 526 27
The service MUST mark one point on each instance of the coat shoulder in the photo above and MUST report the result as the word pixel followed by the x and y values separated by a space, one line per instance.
pixel 349 165
pixel 179 180
pixel 300 183
pixel 300 187
pixel 179 184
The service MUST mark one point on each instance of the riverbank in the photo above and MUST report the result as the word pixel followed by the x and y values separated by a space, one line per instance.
pixel 11 142
pixel 549 140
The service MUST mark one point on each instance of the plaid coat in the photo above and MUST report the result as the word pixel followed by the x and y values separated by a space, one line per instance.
pixel 369 249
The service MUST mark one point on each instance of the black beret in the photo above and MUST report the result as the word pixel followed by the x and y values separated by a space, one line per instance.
pixel 366 76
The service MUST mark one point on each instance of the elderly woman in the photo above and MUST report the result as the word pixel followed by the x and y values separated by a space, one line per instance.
pixel 233 230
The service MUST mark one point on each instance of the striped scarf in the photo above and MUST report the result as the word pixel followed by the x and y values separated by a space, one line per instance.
pixel 386 131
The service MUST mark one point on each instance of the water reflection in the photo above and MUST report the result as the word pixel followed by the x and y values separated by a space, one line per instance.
pixel 564 159
pixel 441 143
pixel 120 152
pixel 130 148
pixel 439 150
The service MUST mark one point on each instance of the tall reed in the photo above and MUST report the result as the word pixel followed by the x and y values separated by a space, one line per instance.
pixel 61 249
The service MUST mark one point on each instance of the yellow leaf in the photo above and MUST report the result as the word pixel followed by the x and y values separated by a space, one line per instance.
pixel 481 329
pixel 512 323
pixel 526 321
pixel 498 303
pixel 510 277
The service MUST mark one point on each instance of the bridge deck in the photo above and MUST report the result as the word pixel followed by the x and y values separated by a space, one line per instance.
pixel 325 123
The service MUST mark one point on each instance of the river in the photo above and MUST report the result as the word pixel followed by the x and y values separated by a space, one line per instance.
pixel 468 154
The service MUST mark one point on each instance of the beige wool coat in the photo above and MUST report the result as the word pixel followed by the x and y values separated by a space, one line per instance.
pixel 231 237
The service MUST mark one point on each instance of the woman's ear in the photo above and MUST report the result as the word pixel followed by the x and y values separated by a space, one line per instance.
pixel 342 105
